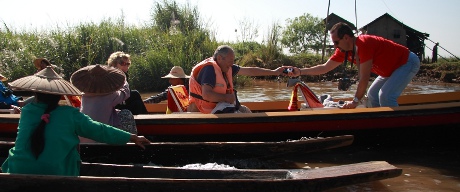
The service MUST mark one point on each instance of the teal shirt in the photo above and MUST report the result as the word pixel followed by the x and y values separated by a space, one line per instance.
pixel 60 155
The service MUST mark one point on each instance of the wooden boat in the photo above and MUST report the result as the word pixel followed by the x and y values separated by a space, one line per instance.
pixel 274 118
pixel 125 178
pixel 182 153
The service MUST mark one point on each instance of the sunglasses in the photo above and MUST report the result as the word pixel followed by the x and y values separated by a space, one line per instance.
pixel 125 64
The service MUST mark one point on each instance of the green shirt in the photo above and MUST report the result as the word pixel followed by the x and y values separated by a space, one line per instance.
pixel 60 155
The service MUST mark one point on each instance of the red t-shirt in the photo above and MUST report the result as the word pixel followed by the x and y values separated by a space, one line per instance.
pixel 387 55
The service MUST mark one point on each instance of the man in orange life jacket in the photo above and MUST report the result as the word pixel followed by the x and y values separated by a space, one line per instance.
pixel 211 81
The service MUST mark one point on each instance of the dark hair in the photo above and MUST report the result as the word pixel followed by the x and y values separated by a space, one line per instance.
pixel 342 29
pixel 222 50
pixel 38 136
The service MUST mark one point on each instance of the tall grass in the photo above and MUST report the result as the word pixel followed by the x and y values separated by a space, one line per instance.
pixel 154 48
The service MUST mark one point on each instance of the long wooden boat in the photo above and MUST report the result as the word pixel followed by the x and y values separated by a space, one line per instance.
pixel 125 178
pixel 274 118
pixel 182 153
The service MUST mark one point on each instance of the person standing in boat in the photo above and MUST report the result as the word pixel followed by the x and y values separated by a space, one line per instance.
pixel 103 88
pixel 211 82
pixel 435 53
pixel 176 77
pixel 394 64
pixel 47 138
pixel 133 103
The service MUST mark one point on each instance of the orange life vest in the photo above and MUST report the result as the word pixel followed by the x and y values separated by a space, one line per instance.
pixel 220 87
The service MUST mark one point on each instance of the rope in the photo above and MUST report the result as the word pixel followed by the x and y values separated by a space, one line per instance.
pixel 443 49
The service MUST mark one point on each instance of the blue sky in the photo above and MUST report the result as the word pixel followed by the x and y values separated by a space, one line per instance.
pixel 438 18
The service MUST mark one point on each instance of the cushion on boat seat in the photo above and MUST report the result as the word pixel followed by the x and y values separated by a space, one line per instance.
pixel 177 99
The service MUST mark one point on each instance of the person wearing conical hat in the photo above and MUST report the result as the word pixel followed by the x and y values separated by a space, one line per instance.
pixel 175 77
pixel 7 99
pixel 47 138
pixel 103 88
pixel 122 61
pixel 42 63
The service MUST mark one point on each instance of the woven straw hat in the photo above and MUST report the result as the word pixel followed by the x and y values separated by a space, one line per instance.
pixel 3 78
pixel 98 79
pixel 45 81
pixel 176 72
pixel 38 61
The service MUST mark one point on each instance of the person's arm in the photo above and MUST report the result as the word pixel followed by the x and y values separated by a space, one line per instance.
pixel 364 76
pixel 101 132
pixel 16 109
pixel 163 96
pixel 209 95
pixel 318 69
pixel 122 94
pixel 257 71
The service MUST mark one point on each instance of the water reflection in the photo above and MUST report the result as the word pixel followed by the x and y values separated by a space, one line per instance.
pixel 269 90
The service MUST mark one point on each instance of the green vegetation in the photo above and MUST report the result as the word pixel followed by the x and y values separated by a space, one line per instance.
pixel 175 35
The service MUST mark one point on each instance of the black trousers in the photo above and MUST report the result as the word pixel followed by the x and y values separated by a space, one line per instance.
pixel 134 103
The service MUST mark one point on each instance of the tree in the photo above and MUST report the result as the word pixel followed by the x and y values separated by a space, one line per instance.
pixel 303 33
pixel 168 16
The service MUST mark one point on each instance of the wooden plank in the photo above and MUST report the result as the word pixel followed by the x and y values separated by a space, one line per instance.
pixel 145 171
pixel 429 98
pixel 346 174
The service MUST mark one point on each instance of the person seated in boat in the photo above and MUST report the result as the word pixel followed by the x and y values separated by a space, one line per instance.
pixel 133 103
pixel 42 63
pixel 7 99
pixel 47 139
pixel 103 88
pixel 394 64
pixel 176 77
pixel 211 82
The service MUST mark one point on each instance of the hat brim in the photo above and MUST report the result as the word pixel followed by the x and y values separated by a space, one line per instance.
pixel 169 76
pixel 98 79
pixel 45 81
pixel 3 78
pixel 38 61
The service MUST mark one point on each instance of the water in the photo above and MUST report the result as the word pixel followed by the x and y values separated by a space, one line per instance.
pixel 429 156
pixel 277 91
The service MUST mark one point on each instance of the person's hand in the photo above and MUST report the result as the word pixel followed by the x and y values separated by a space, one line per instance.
pixel 296 72
pixel 16 109
pixel 139 140
pixel 281 70
pixel 349 105
pixel 229 98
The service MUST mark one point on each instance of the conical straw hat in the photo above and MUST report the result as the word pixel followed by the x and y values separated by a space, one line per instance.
pixel 98 79
pixel 3 78
pixel 176 72
pixel 38 61
pixel 45 81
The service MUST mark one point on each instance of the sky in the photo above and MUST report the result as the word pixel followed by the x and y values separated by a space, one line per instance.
pixel 437 18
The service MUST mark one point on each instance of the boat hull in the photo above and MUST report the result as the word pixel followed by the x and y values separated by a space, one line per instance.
pixel 138 179
pixel 182 153
pixel 273 118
